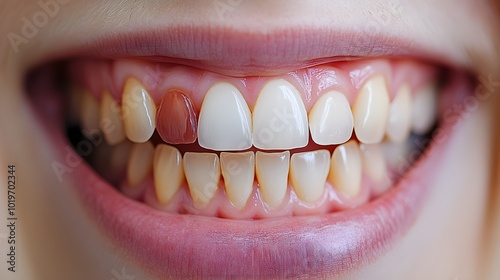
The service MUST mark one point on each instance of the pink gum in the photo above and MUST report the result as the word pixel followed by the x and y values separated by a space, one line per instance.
pixel 331 201
pixel 312 82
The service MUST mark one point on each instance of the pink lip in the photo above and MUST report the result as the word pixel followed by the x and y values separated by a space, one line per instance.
pixel 246 53
pixel 185 246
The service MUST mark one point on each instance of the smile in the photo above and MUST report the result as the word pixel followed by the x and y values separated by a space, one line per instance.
pixel 312 166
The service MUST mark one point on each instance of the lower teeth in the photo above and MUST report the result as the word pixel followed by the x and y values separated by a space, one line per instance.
pixel 250 184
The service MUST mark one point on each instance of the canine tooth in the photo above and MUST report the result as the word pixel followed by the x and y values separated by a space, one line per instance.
pixel 139 112
pixel 202 172
pixel 330 119
pixel 238 170
pixel 272 174
pixel 345 169
pixel 111 122
pixel 176 121
pixel 225 121
pixel 373 161
pixel 168 172
pixel 140 162
pixel 308 172
pixel 89 113
pixel 279 117
pixel 424 110
pixel 370 111
pixel 399 120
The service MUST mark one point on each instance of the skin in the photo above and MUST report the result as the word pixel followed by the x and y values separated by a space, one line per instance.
pixel 454 237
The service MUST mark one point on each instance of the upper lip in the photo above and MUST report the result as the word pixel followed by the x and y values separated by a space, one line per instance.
pixel 242 53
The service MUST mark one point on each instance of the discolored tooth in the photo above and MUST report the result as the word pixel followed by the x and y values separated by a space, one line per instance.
pixel 308 173
pixel 272 174
pixel 330 119
pixel 371 110
pixel 424 110
pixel 89 113
pixel 139 112
pixel 202 172
pixel 345 169
pixel 168 172
pixel 238 170
pixel 399 120
pixel 177 121
pixel 225 121
pixel 140 162
pixel 111 123
pixel 373 160
pixel 279 117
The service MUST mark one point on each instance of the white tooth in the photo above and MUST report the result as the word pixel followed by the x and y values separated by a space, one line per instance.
pixel 168 172
pixel 371 110
pixel 399 120
pixel 345 169
pixel 202 172
pixel 373 161
pixel 225 122
pixel 89 113
pixel 279 117
pixel 272 174
pixel 139 111
pixel 140 163
pixel 111 123
pixel 308 172
pixel 424 110
pixel 238 170
pixel 330 119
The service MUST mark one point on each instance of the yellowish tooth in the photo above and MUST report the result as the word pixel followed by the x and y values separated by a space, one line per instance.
pixel 424 110
pixel 272 174
pixel 140 163
pixel 238 170
pixel 279 117
pixel 345 169
pixel 139 112
pixel 202 171
pixel 89 113
pixel 374 161
pixel 308 172
pixel 399 120
pixel 371 110
pixel 111 123
pixel 330 119
pixel 168 172
pixel 225 122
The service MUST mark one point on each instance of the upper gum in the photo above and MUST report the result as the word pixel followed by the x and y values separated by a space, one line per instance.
pixel 196 82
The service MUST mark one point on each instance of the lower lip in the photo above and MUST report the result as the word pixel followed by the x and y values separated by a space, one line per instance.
pixel 329 245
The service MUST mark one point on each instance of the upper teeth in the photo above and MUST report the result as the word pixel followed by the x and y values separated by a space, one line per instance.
pixel 278 121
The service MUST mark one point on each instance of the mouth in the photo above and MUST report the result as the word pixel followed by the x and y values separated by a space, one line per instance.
pixel 195 165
